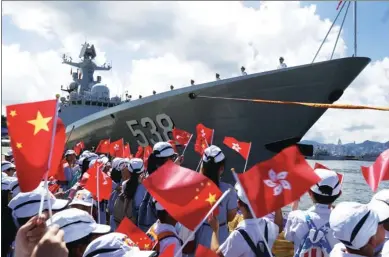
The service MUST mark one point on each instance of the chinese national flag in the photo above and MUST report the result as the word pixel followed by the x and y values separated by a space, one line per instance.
pixel 79 147
pixel 277 182
pixel 203 251
pixel 168 251
pixel 241 148
pixel 378 172
pixel 181 136
pixel 201 145
pixel 105 182
pixel 146 154
pixel 104 146
pixel 203 131
pixel 173 144
pixel 185 194
pixel 30 127
pixel 321 166
pixel 127 151
pixel 139 153
pixel 135 234
pixel 116 148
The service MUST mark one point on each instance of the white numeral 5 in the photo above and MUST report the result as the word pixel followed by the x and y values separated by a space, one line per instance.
pixel 136 132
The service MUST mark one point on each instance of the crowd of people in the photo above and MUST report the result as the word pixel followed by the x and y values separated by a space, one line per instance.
pixel 80 226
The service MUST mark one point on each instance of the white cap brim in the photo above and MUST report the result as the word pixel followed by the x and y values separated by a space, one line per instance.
pixel 139 253
pixel 83 203
pixel 101 229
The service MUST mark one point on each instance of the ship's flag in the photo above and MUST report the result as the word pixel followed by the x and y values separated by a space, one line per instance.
pixel 136 235
pixel 105 182
pixel 127 151
pixel 146 154
pixel 203 251
pixel 79 147
pixel 241 148
pixel 116 148
pixel 377 172
pixel 182 137
pixel 185 194
pixel 139 153
pixel 104 146
pixel 277 182
pixel 321 166
pixel 339 4
pixel 31 128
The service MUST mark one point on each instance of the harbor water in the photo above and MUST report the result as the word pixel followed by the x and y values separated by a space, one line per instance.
pixel 354 185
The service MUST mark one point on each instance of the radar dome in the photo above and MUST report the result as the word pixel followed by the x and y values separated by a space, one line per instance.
pixel 100 91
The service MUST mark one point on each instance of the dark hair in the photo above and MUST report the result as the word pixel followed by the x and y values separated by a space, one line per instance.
pixel 131 186
pixel 325 199
pixel 8 226
pixel 154 162
pixel 116 175
pixel 162 216
pixel 72 246
pixel 85 166
pixel 211 169
pixel 243 204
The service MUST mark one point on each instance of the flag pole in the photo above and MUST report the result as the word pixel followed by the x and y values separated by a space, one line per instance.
pixel 98 192
pixel 53 133
pixel 183 152
pixel 252 211
pixel 247 160
pixel 204 220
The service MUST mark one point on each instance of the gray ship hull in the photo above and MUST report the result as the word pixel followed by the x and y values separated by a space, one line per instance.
pixel 145 121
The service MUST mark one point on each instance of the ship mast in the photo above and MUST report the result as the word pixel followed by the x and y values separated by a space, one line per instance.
pixel 355 28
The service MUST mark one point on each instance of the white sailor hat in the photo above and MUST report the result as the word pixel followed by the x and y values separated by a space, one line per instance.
pixel 14 187
pixel 115 245
pixel 70 152
pixel 136 165
pixel 26 204
pixel 8 154
pixel 123 163
pixel 380 204
pixel 115 162
pixel 7 181
pixel 353 224
pixel 241 194
pixel 7 165
pixel 77 224
pixel 213 152
pixel 83 197
pixel 104 160
pixel 163 150
pixel 328 178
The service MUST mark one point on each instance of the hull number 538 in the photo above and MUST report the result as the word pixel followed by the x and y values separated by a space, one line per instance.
pixel 158 130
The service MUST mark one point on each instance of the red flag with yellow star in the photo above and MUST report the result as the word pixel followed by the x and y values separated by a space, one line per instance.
pixel 185 194
pixel 30 128
pixel 104 146
pixel 136 235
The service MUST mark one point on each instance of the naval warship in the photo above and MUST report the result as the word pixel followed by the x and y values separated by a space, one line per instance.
pixel 91 115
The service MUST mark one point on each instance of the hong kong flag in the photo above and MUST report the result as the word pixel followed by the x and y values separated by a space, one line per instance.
pixel 378 172
pixel 182 137
pixel 204 132
pixel 277 182
pixel 79 147
pixel 117 148
pixel 241 148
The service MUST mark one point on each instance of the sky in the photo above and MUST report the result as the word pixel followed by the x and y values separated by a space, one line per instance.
pixel 152 45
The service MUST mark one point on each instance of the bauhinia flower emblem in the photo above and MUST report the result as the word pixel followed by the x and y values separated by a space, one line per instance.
pixel 278 181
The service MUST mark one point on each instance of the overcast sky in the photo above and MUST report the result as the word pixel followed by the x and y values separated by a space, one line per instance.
pixel 155 44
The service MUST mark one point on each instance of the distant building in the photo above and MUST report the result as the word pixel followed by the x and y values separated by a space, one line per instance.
pixel 339 142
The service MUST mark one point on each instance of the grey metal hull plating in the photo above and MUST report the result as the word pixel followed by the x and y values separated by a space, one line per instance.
pixel 258 123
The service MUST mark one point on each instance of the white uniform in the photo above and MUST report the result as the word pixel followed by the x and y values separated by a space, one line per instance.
pixel 185 234
pixel 282 66
pixel 236 246
pixel 296 227
pixel 163 244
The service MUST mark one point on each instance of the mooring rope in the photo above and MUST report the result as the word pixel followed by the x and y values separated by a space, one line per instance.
pixel 315 105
